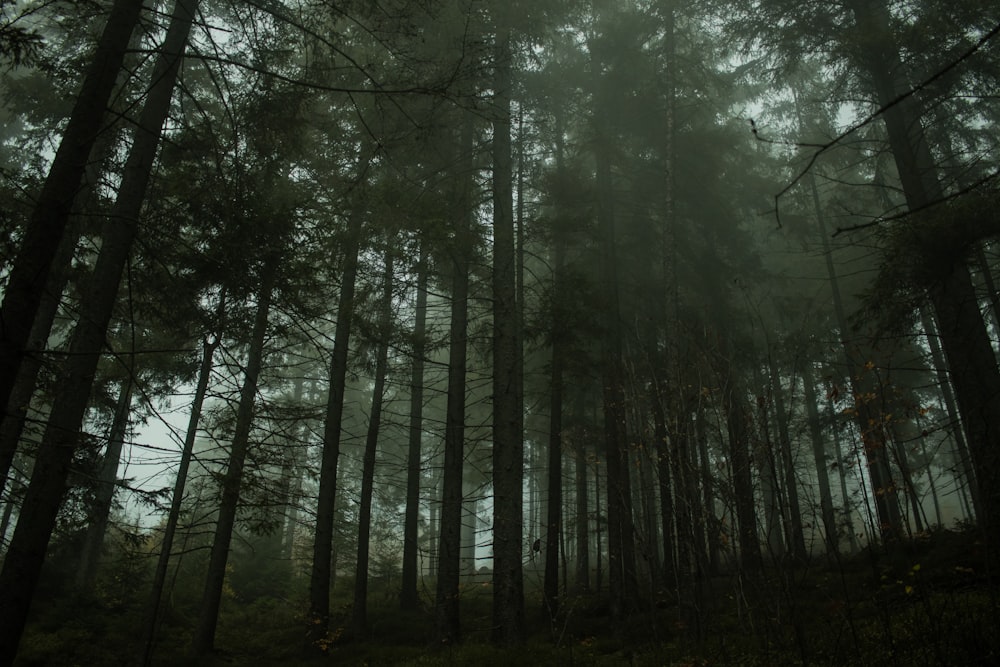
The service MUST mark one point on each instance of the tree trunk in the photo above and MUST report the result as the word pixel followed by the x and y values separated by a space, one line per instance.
pixel 48 481
pixel 321 574
pixel 208 615
pixel 360 608
pixel 152 609
pixel 446 600
pixel 964 339
pixel 508 444
pixel 961 447
pixel 408 598
pixel 107 483
pixel 796 537
pixel 819 457
pixel 582 579
pixel 855 360
pixel 622 583
pixel 553 520
pixel 30 271
pixel 738 418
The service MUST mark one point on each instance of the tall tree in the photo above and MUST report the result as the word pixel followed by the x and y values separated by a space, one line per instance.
pixel 408 598
pixel 359 610
pixel 23 563
pixel 320 578
pixel 208 615
pixel 29 274
pixel 508 443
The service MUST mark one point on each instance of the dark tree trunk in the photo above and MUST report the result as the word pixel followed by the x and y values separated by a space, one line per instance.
pixel 795 534
pixel 449 546
pixel 582 579
pixel 23 563
pixel 508 444
pixel 360 608
pixel 30 271
pixel 819 457
pixel 622 583
pixel 152 609
pixel 107 483
pixel 208 612
pixel 321 574
pixel 964 338
pixel 408 598
pixel 553 520
pixel 873 438
pixel 738 420
pixel 961 447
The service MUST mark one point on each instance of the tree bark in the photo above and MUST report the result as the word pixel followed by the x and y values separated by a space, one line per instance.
pixel 737 418
pixel 408 598
pixel 819 458
pixel 107 483
pixel 22 566
pixel 447 620
pixel 152 609
pixel 508 444
pixel 360 608
pixel 321 574
pixel 964 338
pixel 43 235
pixel 622 583
pixel 208 615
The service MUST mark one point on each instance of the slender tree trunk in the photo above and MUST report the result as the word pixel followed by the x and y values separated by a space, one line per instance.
pixel 964 338
pixel 738 417
pixel 360 608
pixel 446 600
pixel 508 445
pixel 550 596
pixel 819 457
pixel 321 574
pixel 554 518
pixel 869 423
pixel 582 579
pixel 622 583
pixel 408 598
pixel 107 483
pixel 22 565
pixel 12 424
pixel 30 271
pixel 709 521
pixel 958 433
pixel 152 609
pixel 796 536
pixel 208 615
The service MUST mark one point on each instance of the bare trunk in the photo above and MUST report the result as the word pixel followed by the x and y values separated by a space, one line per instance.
pixel 321 574
pixel 152 610
pixel 508 444
pixel 964 339
pixel 360 608
pixel 819 458
pixel 30 272
pixel 23 563
pixel 208 614
pixel 446 601
pixel 107 482
pixel 408 598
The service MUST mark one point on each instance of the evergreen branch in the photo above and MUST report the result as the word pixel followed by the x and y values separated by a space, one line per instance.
pixel 908 212
pixel 868 120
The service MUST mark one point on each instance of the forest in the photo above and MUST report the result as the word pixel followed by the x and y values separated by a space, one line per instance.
pixel 420 332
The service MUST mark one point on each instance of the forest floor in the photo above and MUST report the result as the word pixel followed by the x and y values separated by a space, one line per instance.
pixel 928 601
